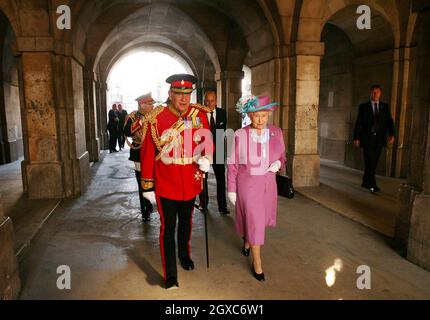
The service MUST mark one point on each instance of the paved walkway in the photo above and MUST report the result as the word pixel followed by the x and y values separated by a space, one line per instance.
pixel 28 216
pixel 340 190
pixel 113 256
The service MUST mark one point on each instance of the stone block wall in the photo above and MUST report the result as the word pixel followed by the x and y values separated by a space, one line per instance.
pixel 9 272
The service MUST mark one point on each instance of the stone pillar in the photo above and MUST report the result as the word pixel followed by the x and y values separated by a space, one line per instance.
pixel 91 121
pixel 42 169
pixel 56 163
pixel 412 235
pixel 9 273
pixel 304 160
pixel 401 97
pixel 419 232
pixel 229 91
pixel 102 114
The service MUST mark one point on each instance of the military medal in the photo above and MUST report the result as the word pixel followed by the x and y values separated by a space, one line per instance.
pixel 188 122
pixel 198 176
pixel 198 122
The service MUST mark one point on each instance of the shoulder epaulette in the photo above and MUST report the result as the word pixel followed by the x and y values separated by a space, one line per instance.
pixel 154 113
pixel 200 107
pixel 132 115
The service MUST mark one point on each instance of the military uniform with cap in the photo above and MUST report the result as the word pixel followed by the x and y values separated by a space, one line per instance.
pixel 172 167
pixel 136 127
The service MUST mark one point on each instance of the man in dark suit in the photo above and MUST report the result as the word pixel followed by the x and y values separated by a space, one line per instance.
pixel 217 121
pixel 122 115
pixel 112 127
pixel 374 124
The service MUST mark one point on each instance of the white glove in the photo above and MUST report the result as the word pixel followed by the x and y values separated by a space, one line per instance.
pixel 204 164
pixel 275 166
pixel 150 196
pixel 232 197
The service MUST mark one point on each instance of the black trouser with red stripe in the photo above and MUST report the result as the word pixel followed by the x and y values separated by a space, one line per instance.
pixel 145 204
pixel 168 210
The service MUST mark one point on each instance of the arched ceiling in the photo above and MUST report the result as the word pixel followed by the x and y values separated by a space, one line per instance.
pixel 222 32
pixel 153 23
pixel 379 38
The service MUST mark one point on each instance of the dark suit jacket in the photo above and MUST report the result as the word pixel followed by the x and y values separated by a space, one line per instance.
pixel 220 123
pixel 122 116
pixel 364 126
pixel 113 121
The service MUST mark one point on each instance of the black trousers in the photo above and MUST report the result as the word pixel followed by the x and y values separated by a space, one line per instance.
pixel 170 210
pixel 121 140
pixel 113 137
pixel 219 170
pixel 145 204
pixel 371 157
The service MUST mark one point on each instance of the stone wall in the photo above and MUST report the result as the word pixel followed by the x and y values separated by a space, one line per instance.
pixel 336 104
pixel 9 272
pixel 79 116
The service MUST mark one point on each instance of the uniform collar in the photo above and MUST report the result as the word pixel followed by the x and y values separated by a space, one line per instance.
pixel 176 112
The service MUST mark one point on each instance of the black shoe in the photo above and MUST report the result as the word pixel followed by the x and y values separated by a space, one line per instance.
pixel 146 216
pixel 258 276
pixel 187 264
pixel 224 211
pixel 245 251
pixel 171 282
pixel 376 188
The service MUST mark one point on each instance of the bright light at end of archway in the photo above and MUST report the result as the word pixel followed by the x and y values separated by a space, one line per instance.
pixel 140 73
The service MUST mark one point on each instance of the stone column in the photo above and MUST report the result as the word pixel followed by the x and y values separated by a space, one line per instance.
pixel 42 168
pixel 56 163
pixel 229 91
pixel 9 273
pixel 304 160
pixel 93 142
pixel 419 233
pixel 102 114
pixel 413 221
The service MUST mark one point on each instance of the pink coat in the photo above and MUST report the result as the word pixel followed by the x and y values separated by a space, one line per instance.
pixel 257 197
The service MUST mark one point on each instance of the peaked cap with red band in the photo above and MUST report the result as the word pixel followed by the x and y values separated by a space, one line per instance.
pixel 181 83
pixel 145 99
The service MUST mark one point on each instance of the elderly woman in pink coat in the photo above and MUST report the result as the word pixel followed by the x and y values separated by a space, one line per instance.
pixel 258 153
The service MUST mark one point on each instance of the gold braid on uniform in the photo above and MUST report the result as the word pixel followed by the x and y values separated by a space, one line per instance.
pixel 152 119
pixel 140 133
pixel 200 107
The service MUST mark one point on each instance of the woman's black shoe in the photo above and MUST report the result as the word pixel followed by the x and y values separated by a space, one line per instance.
pixel 258 276
pixel 245 251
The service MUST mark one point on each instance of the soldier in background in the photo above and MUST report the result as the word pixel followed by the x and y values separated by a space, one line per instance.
pixel 136 127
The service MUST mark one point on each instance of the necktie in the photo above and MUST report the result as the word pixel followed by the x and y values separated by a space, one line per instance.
pixel 212 122
pixel 376 115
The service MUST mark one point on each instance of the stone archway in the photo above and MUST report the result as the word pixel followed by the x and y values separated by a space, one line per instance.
pixel 11 136
pixel 308 50
pixel 353 61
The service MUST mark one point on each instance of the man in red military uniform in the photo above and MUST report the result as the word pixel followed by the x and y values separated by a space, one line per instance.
pixel 136 127
pixel 174 160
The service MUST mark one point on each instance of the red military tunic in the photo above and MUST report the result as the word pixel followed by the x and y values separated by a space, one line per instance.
pixel 169 162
